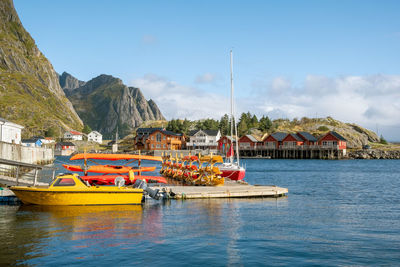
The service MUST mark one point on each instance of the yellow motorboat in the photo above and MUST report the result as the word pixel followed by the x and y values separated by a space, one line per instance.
pixel 69 189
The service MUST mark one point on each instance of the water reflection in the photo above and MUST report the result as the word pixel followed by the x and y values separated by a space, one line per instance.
pixel 91 222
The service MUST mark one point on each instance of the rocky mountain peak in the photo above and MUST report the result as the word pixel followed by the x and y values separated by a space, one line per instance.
pixel 69 83
pixel 105 104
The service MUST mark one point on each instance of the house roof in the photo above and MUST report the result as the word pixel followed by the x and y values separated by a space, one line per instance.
pixel 75 132
pixel 307 136
pixel 65 144
pixel 295 136
pixel 147 130
pixel 252 138
pixel 207 132
pixel 12 123
pixel 338 136
pixel 279 136
pixel 171 133
pixel 96 132
pixel 31 141
pixel 232 139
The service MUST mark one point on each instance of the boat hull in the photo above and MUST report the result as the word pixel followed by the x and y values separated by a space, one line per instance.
pixel 235 175
pixel 117 196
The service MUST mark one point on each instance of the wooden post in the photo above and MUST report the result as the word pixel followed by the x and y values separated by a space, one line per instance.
pixel 35 178
pixel 17 175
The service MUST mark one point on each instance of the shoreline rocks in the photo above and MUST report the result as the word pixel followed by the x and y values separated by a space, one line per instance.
pixel 373 154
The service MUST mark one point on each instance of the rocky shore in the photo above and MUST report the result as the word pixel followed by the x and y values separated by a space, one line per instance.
pixel 373 154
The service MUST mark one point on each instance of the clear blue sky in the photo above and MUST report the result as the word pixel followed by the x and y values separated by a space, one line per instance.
pixel 288 54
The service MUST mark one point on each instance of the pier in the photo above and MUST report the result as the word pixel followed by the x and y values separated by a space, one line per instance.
pixel 20 173
pixel 229 190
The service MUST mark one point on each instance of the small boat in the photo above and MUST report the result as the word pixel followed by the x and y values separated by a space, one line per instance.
pixel 232 169
pixel 69 189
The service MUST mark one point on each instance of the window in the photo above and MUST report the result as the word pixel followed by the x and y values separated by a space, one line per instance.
pixel 64 182
pixel 164 146
pixel 158 137
pixel 164 138
pixel 152 145
pixel 158 146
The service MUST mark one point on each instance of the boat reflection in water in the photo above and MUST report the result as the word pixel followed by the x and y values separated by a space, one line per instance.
pixel 91 222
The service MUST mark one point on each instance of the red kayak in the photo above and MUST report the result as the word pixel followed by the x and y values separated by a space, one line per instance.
pixel 109 179
pixel 114 157
pixel 107 169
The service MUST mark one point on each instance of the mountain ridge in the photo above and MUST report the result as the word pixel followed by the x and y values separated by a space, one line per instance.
pixel 105 103
pixel 30 93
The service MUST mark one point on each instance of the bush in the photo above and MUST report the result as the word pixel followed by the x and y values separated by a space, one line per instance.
pixel 383 141
pixel 323 128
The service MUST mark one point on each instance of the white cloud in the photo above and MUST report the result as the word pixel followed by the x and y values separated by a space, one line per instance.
pixel 179 101
pixel 366 100
pixel 205 78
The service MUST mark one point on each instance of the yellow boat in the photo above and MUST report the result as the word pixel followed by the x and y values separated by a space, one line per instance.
pixel 69 189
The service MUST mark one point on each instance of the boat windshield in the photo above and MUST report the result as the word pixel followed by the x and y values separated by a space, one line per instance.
pixel 64 182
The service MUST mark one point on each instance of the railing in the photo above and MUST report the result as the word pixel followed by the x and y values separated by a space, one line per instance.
pixel 13 172
pixel 292 147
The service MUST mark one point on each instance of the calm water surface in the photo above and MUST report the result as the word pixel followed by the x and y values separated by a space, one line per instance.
pixel 344 213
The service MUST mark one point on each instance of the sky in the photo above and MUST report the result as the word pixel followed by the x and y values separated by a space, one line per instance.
pixel 291 59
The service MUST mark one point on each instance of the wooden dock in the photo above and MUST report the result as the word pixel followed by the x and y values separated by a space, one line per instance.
pixel 233 190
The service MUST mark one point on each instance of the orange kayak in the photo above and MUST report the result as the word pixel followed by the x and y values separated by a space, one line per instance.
pixel 109 179
pixel 114 156
pixel 107 168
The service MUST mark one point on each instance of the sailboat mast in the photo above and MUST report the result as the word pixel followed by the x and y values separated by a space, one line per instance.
pixel 232 118
pixel 233 115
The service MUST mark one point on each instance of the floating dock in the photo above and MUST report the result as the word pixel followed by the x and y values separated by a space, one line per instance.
pixel 229 190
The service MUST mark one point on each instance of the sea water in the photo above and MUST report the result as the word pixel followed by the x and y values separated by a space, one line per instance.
pixel 337 213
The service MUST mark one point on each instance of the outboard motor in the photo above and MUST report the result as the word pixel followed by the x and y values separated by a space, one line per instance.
pixel 153 193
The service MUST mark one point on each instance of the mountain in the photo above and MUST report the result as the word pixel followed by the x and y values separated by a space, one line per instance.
pixel 30 93
pixel 69 83
pixel 105 103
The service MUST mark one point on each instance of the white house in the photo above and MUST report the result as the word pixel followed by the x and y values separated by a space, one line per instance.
pixel 73 135
pixel 203 139
pixel 10 132
pixel 95 136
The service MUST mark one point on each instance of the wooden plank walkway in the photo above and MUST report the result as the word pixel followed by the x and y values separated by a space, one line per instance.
pixel 226 191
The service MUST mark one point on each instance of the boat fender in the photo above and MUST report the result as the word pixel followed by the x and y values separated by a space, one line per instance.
pixel 119 181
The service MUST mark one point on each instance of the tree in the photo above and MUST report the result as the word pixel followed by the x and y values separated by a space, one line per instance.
pixel 86 129
pixel 51 132
pixel 383 140
pixel 265 124
pixel 224 125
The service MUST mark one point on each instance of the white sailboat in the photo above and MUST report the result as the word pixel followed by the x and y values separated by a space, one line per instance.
pixel 232 168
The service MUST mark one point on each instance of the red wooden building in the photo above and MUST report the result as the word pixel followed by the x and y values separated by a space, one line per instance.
pixel 247 142
pixel 224 142
pixel 292 140
pixel 333 140
pixel 309 139
pixel 274 141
